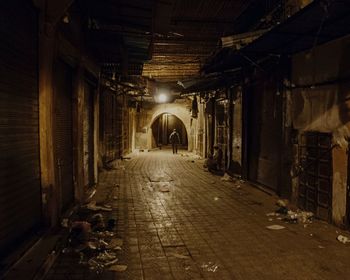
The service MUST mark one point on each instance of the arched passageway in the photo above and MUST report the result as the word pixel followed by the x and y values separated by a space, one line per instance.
pixel 163 125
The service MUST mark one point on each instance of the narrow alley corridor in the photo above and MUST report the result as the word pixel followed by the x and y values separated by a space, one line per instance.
pixel 174 139
pixel 203 228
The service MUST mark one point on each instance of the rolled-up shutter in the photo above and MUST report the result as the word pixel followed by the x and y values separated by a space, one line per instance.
pixel 20 191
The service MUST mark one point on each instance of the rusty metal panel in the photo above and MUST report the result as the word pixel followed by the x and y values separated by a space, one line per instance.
pixel 20 190
pixel 63 132
pixel 315 180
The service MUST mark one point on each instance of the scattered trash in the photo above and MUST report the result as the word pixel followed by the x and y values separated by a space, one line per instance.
pixel 114 243
pixel 118 268
pixel 299 217
pixel 92 206
pixel 275 227
pixel 227 178
pixel 211 267
pixel 282 203
pixel 321 247
pixel 343 239
pixel 216 198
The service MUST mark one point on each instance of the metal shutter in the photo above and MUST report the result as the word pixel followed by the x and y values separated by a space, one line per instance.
pixel 20 191
pixel 63 132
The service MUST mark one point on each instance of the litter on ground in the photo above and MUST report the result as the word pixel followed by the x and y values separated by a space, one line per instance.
pixel 227 178
pixel 275 227
pixel 343 239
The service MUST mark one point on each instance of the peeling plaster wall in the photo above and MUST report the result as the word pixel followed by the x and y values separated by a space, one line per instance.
pixel 145 119
pixel 319 106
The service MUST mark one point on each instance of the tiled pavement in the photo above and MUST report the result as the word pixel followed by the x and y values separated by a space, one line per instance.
pixel 204 228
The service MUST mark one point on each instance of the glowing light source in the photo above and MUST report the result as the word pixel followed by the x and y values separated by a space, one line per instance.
pixel 162 98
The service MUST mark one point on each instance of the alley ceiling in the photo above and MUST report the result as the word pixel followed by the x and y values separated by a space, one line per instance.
pixel 164 40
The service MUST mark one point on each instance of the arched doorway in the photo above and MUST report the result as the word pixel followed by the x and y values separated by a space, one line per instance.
pixel 163 125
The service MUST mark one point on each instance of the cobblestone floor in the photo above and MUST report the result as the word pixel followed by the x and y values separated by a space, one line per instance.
pixel 204 228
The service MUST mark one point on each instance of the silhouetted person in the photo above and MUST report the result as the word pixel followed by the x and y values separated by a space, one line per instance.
pixel 174 139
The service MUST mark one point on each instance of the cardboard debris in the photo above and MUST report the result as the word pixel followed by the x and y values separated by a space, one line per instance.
pixel 92 206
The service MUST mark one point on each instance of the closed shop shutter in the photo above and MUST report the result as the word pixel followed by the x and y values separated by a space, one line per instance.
pixel 264 135
pixel 109 123
pixel 63 132
pixel 20 191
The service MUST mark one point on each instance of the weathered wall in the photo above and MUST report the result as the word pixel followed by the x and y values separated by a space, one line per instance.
pixel 53 45
pixel 319 103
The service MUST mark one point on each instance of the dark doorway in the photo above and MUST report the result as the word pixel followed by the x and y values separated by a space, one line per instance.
pixel 63 132
pixel 263 134
pixel 163 126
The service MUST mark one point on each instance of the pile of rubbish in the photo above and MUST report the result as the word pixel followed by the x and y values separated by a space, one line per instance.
pixel 94 239
pixel 343 239
pixel 290 214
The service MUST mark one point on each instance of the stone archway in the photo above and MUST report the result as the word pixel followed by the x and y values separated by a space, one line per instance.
pixel 162 127
pixel 179 111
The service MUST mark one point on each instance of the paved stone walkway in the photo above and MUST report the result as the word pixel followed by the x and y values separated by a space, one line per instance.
pixel 204 228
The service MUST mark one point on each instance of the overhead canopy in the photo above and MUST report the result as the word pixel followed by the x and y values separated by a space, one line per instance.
pixel 317 23
pixel 210 82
